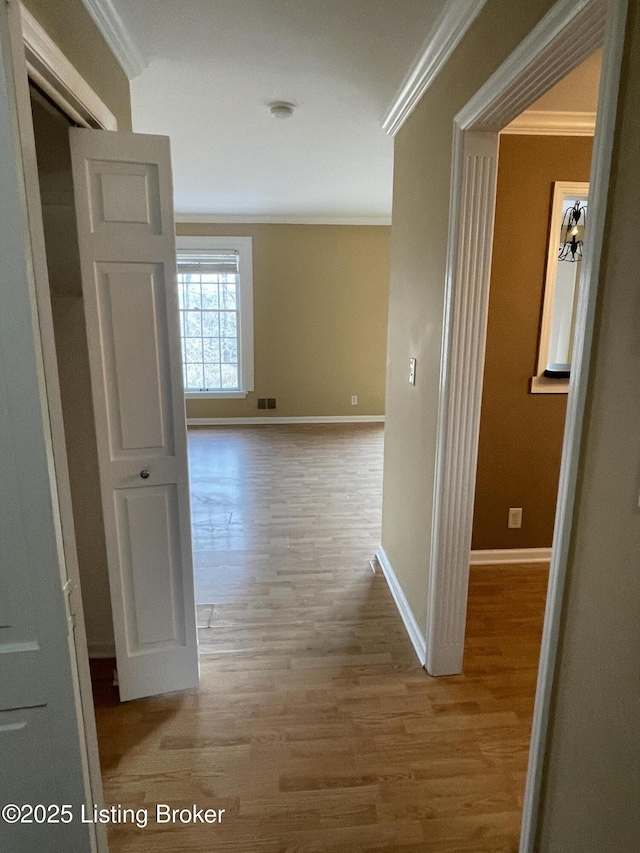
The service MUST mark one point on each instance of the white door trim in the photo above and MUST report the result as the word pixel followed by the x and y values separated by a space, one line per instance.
pixel 566 35
pixel 50 69
pixel 46 62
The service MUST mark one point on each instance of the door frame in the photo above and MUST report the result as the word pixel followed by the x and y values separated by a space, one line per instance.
pixel 50 69
pixel 567 34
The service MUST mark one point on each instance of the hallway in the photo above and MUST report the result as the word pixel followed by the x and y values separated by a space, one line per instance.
pixel 314 726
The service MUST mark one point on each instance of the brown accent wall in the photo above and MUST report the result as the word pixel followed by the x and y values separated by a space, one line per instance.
pixel 72 28
pixel 521 433
pixel 320 296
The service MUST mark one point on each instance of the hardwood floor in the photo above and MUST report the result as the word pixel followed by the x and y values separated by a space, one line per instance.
pixel 314 726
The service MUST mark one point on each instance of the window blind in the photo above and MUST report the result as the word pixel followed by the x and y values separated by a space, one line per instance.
pixel 209 262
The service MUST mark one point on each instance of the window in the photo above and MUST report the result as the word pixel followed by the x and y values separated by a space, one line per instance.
pixel 564 262
pixel 215 296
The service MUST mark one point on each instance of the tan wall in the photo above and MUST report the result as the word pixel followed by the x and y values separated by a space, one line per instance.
pixel 75 388
pixel 422 177
pixel 591 791
pixel 521 433
pixel 320 297
pixel 578 91
pixel 73 30
pixel 63 262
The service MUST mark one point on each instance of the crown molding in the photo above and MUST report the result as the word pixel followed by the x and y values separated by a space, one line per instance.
pixel 447 32
pixel 117 36
pixel 249 219
pixel 552 123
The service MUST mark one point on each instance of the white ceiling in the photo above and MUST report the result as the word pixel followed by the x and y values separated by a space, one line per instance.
pixel 213 67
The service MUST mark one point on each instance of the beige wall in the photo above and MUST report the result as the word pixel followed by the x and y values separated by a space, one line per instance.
pixel 63 262
pixel 578 91
pixel 591 792
pixel 521 433
pixel 75 389
pixel 73 30
pixel 320 296
pixel 422 177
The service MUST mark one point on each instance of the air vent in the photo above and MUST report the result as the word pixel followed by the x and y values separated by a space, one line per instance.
pixel 262 402
pixel 271 402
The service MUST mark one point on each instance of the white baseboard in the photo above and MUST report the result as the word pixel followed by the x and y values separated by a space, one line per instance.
pixel 416 636
pixel 99 651
pixel 510 555
pixel 320 419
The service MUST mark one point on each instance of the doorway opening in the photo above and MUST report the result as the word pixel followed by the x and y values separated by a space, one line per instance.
pixel 73 423
pixel 51 131
pixel 562 40
pixel 544 161
pixel 522 419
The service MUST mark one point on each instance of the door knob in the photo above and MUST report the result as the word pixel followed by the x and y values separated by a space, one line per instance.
pixel 145 473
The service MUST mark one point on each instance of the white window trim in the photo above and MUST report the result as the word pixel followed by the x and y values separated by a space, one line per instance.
pixel 244 247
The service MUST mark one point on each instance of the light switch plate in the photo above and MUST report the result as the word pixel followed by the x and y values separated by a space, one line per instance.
pixel 515 517
pixel 412 371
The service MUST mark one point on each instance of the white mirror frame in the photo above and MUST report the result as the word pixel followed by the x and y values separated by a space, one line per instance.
pixel 541 384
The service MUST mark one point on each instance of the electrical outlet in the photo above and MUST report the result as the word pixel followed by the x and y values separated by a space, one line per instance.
pixel 515 517
pixel 354 399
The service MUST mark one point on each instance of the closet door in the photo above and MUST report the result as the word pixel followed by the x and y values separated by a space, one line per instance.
pixel 124 206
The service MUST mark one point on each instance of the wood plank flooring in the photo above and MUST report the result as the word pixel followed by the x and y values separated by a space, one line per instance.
pixel 314 726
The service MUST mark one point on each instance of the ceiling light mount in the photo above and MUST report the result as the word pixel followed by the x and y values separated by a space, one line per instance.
pixel 281 109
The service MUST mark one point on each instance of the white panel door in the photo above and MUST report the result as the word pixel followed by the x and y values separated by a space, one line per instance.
pixel 42 746
pixel 124 206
